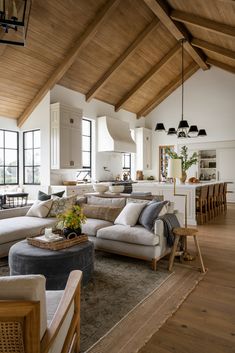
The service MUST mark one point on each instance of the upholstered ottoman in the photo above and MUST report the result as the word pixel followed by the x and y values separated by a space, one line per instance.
pixel 54 265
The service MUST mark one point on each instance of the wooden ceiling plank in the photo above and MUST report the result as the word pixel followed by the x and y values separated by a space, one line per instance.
pixel 148 76
pixel 88 34
pixel 221 65
pixel 204 23
pixel 166 91
pixel 122 59
pixel 213 48
pixel 162 11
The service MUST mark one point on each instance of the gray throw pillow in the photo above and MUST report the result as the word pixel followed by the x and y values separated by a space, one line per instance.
pixel 150 213
pixel 42 196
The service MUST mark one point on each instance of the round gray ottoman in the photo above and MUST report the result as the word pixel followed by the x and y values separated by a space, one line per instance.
pixel 26 259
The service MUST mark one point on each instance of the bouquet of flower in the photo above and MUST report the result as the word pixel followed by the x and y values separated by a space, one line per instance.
pixel 72 218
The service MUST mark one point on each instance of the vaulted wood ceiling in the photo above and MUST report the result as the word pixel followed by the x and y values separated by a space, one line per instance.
pixel 124 52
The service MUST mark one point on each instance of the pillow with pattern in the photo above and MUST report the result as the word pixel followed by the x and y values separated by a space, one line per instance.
pixel 61 205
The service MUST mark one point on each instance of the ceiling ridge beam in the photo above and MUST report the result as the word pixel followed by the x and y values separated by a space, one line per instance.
pixel 213 48
pixel 166 91
pixel 221 65
pixel 153 71
pixel 122 59
pixel 162 11
pixel 70 58
pixel 204 23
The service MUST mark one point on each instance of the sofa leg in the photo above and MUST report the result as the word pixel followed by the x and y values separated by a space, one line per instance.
pixel 154 264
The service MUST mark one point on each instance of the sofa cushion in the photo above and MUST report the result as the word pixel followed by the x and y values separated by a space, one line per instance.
pixel 61 205
pixel 151 212
pixel 106 201
pixel 30 287
pixel 40 209
pixel 17 228
pixel 130 214
pixel 107 213
pixel 93 225
pixel 134 235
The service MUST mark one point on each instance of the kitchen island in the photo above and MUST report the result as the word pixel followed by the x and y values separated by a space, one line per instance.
pixel 167 190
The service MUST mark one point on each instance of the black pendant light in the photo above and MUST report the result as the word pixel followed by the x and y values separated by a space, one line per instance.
pixel 183 130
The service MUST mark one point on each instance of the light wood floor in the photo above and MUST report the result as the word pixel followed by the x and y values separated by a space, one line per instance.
pixel 205 323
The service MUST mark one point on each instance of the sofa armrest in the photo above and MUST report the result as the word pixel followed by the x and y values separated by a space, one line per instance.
pixel 14 212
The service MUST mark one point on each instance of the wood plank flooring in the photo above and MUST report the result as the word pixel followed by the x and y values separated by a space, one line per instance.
pixel 205 322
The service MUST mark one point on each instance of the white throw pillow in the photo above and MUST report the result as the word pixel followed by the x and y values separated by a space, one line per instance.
pixel 130 214
pixel 40 209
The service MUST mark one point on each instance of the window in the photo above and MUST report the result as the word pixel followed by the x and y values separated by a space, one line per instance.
pixel 9 157
pixel 32 156
pixel 126 162
pixel 86 144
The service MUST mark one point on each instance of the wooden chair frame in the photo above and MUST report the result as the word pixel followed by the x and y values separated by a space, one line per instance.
pixel 27 313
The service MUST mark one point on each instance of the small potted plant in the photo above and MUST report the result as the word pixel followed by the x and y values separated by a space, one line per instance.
pixel 186 161
pixel 71 221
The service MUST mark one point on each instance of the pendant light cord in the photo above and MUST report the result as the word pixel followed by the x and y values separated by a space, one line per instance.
pixel 182 77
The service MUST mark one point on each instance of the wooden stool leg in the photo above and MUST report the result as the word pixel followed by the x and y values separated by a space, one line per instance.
pixel 199 253
pixel 173 251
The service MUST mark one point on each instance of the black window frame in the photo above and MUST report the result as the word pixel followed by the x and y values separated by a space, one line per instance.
pixel 4 149
pixel 33 165
pixel 88 168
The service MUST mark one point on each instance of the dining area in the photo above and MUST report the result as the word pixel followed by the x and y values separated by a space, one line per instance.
pixel 211 201
pixel 13 199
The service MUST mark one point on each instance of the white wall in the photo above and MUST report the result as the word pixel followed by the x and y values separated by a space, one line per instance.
pixel 92 110
pixel 8 124
pixel 209 103
pixel 40 119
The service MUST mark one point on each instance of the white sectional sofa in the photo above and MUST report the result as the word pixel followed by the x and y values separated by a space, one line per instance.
pixel 16 226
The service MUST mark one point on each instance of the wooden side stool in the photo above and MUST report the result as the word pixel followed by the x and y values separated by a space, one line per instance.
pixel 185 232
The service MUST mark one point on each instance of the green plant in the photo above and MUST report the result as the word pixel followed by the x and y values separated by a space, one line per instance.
pixel 186 161
pixel 72 218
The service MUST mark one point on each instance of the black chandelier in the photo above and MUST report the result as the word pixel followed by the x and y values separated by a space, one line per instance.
pixel 14 16
pixel 183 130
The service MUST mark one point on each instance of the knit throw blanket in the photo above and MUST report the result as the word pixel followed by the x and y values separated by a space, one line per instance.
pixel 170 222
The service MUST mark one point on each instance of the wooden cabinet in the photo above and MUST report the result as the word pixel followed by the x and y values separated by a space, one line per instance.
pixel 78 190
pixel 163 161
pixel 143 138
pixel 66 137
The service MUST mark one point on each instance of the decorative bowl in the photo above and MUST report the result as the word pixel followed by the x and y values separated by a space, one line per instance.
pixel 100 188
pixel 116 189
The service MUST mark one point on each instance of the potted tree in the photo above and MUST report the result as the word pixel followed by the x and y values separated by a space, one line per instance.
pixel 187 161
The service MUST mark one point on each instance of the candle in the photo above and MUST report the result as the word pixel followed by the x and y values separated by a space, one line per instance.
pixel 48 232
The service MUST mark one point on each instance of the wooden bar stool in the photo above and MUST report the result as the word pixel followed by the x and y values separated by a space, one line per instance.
pixel 216 200
pixel 210 201
pixel 220 201
pixel 225 197
pixel 185 232
pixel 201 204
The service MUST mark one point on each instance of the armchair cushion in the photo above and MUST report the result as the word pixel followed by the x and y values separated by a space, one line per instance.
pixel 30 287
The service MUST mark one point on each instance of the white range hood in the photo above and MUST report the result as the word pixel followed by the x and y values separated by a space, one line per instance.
pixel 114 136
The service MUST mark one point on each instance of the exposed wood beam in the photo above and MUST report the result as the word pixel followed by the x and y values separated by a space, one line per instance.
pixel 166 91
pixel 204 23
pixel 221 65
pixel 82 41
pixel 162 11
pixel 213 48
pixel 122 59
pixel 148 76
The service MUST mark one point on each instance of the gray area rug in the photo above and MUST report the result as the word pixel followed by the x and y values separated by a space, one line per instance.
pixel 118 285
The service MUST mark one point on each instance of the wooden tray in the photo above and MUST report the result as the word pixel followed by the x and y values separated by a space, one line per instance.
pixel 59 244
